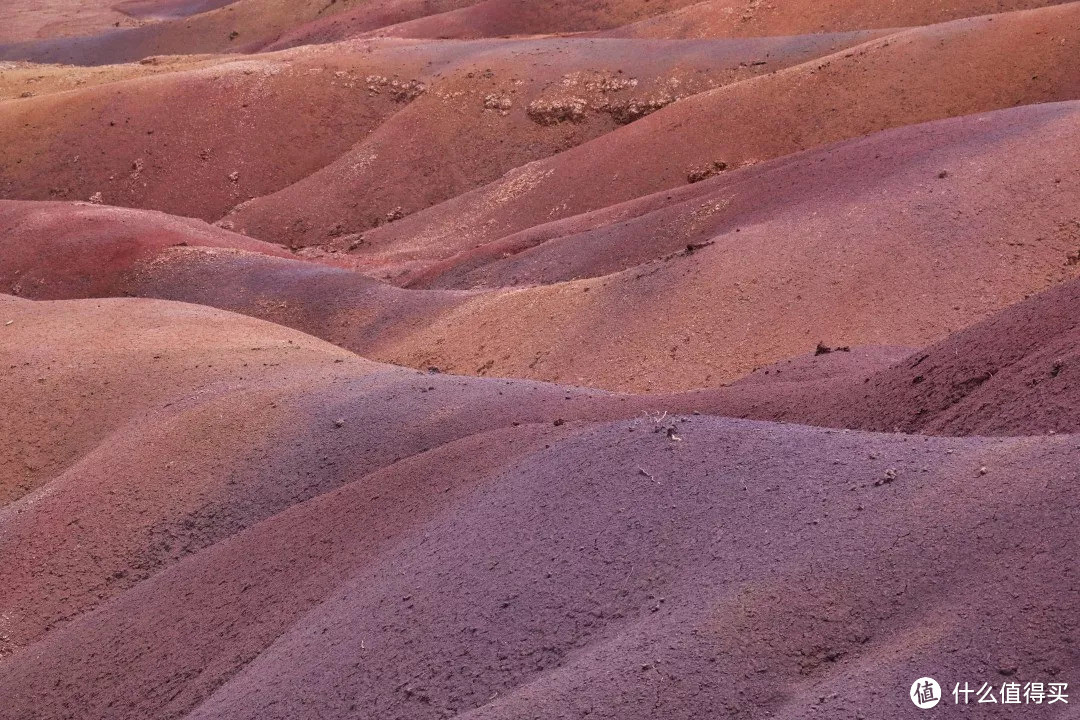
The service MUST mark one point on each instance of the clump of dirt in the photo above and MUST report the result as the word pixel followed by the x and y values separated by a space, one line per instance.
pixel 625 112
pixel 704 173
pixel 558 110
pixel 494 101
pixel 399 90
pixel 574 109
pixel 823 349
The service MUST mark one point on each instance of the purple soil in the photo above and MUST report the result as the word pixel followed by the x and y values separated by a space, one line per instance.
pixel 164 9
pixel 502 571
pixel 1011 374
pixel 858 468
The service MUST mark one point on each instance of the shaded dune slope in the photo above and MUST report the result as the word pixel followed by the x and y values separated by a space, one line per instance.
pixel 355 543
pixel 236 26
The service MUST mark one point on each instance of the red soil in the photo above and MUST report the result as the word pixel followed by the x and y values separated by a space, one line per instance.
pixel 494 18
pixel 250 136
pixel 915 76
pixel 831 249
pixel 739 18
pixel 55 251
pixel 498 105
pixel 888 274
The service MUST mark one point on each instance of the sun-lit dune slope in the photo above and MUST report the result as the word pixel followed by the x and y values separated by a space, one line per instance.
pixel 59 251
pixel 197 142
pixel 323 534
pixel 1013 374
pixel 895 239
pixel 952 69
pixel 232 28
pixel 749 18
pixel 501 105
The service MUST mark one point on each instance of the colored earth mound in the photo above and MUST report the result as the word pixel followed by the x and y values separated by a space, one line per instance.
pixel 489 359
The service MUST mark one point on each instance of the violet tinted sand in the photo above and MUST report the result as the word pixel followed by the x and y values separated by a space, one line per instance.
pixel 485 359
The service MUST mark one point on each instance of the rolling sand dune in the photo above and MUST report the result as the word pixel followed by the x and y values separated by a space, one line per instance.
pixel 229 28
pixel 725 548
pixel 916 76
pixel 753 18
pixel 494 18
pixel 250 137
pixel 916 245
pixel 503 105
pixel 498 359
pixel 904 257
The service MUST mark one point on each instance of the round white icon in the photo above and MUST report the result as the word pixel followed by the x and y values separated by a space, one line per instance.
pixel 925 693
